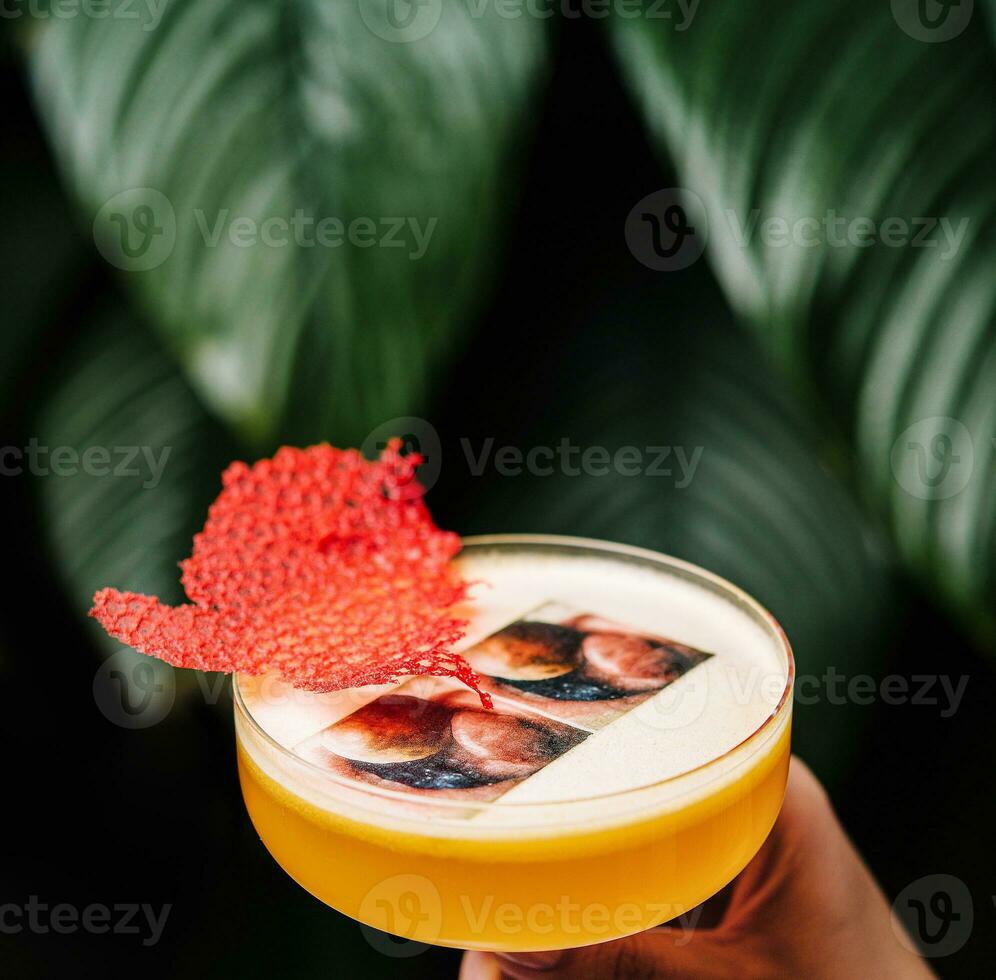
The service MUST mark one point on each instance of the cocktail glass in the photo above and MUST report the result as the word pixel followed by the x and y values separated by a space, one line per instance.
pixel 498 874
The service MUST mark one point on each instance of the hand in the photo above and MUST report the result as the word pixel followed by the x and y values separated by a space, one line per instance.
pixel 806 906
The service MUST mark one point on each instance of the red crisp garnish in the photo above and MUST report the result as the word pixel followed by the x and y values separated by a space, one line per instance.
pixel 316 564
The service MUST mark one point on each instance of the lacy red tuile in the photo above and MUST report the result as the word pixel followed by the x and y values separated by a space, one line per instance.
pixel 317 564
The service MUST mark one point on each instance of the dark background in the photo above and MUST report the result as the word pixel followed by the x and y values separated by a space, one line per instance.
pixel 94 813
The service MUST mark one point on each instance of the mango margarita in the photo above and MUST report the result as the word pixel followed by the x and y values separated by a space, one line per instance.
pixel 634 761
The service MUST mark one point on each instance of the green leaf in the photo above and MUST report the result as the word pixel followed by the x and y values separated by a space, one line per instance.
pixel 126 462
pixel 253 122
pixel 42 260
pixel 741 490
pixel 816 112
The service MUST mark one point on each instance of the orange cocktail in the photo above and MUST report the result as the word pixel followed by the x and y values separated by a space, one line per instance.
pixel 634 762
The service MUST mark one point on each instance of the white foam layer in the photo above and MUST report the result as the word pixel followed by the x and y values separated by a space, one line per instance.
pixel 694 720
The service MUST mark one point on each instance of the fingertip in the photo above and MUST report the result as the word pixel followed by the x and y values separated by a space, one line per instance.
pixel 805 789
pixel 479 966
pixel 542 960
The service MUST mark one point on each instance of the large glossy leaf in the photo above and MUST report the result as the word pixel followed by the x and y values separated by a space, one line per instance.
pixel 740 491
pixel 247 124
pixel 41 259
pixel 844 119
pixel 127 461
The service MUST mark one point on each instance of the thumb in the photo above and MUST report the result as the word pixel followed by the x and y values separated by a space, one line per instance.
pixel 663 952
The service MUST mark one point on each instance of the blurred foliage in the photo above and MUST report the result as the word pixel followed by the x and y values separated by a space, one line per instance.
pixel 741 490
pixel 36 234
pixel 886 336
pixel 240 111
pixel 128 513
pixel 260 110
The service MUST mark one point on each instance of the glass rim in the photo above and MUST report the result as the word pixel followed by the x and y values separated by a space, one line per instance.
pixel 688 570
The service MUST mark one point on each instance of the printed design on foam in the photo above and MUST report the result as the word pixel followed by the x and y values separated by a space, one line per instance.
pixel 556 675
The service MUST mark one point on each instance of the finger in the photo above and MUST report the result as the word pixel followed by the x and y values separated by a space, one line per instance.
pixel 479 966
pixel 659 953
